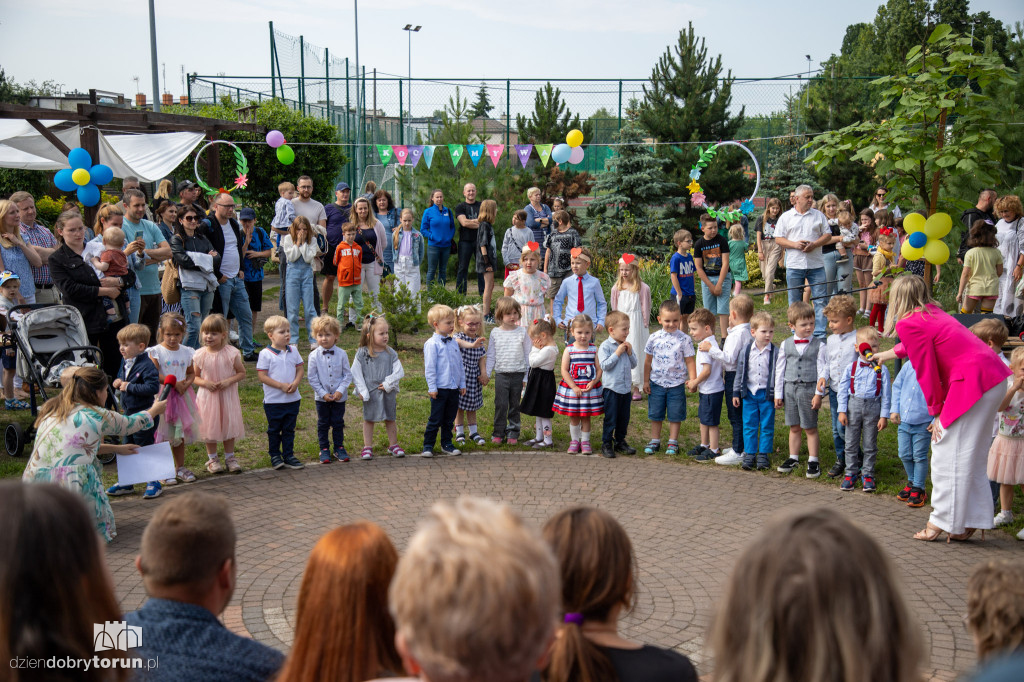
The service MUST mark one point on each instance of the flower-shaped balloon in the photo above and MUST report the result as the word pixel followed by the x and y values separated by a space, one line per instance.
pixel 83 177
pixel 746 207
pixel 694 187
pixel 697 199
pixel 695 173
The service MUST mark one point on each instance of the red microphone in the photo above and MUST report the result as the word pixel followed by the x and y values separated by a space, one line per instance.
pixel 169 381
pixel 865 350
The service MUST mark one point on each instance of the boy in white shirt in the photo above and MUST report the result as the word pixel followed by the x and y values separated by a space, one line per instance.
pixel 708 382
pixel 280 368
pixel 840 350
pixel 740 309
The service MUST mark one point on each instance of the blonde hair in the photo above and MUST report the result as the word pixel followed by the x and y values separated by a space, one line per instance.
pixel 736 232
pixel 215 323
pixel 505 306
pixel 476 594
pixel 615 318
pixel 170 320
pixel 293 230
pixel 488 210
pixel 466 311
pixel 841 306
pixel 134 333
pixel 1017 357
pixel 439 312
pixel 680 235
pixel 888 238
pixel 396 236
pixel 275 322
pixel 633 286
pixel 778 619
pixel 366 332
pixel 761 319
pixel 581 320
pixel 285 187
pixel 113 236
pixel 743 306
pixel 530 192
pixel 991 330
pixel 995 605
pixel 867 335
pixel 541 327
pixel 79 391
pixel 371 219
pixel 163 190
pixel 529 253
pixel 5 208
pixel 1010 202
pixel 906 294
pixel 326 323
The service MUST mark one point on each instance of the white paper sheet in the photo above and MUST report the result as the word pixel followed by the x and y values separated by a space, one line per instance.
pixel 150 463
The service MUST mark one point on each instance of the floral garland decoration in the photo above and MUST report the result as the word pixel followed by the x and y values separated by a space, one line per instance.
pixel 241 169
pixel 697 196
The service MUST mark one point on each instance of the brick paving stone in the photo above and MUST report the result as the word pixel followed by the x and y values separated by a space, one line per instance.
pixel 688 523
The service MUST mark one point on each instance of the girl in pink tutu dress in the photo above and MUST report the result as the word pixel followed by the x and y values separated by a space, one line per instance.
pixel 179 425
pixel 1006 457
pixel 219 370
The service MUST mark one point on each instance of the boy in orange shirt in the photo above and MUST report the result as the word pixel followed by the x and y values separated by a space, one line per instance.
pixel 349 259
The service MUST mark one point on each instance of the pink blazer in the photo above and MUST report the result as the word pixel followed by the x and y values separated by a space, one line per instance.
pixel 954 367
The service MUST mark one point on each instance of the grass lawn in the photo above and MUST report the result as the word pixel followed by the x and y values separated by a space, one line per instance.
pixel 414 409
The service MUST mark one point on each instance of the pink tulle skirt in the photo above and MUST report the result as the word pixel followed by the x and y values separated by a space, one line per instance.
pixel 180 422
pixel 1006 461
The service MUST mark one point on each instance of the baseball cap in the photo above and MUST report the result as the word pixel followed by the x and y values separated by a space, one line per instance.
pixel 247 214
pixel 186 184
pixel 6 276
pixel 341 186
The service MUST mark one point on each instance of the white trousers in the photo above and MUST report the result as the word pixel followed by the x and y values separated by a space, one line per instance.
pixel 408 274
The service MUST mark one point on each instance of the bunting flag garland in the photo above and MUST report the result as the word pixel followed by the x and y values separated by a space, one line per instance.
pixel 428 154
pixel 385 153
pixel 475 152
pixel 415 152
pixel 401 153
pixel 544 152
pixel 523 151
pixel 456 151
pixel 494 152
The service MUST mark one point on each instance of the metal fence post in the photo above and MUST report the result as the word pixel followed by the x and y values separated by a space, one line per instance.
pixel 508 112
pixel 401 116
pixel 302 76
pixel 273 51
pixel 188 84
pixel 348 135
pixel 327 80
pixel 620 106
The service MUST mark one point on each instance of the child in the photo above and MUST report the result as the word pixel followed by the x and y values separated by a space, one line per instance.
pixel 882 264
pixel 376 372
pixel 446 380
pixel 540 384
pixel 849 233
pixel 753 388
pixel 711 261
pixel 473 347
pixel 179 425
pixel 910 413
pixel 668 362
pixel 681 269
pixel 631 296
pixel 409 249
pixel 579 393
pixel 708 382
pixel 801 363
pixel 514 241
pixel 580 285
pixel 137 384
pixel 219 370
pixel 10 296
pixel 486 257
pixel 1006 457
pixel 349 259
pixel 284 210
pixel 300 250
pixel 528 285
pixel 330 376
pixel 740 310
pixel 618 362
pixel 840 350
pixel 864 401
pixel 862 256
pixel 111 262
pixel 983 266
pixel 737 257
pixel 279 368
pixel 558 246
pixel 508 356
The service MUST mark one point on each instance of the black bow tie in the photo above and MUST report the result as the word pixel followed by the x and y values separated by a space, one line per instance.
pixel 328 352
pixel 446 339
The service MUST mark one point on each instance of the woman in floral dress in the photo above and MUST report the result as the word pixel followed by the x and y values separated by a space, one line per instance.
pixel 69 434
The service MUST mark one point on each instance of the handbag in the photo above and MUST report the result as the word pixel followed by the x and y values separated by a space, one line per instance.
pixel 169 283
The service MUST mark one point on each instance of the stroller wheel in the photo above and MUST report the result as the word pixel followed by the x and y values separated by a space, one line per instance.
pixel 14 439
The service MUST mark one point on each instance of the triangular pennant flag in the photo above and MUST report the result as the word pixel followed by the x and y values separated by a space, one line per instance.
pixel 475 152
pixel 523 151
pixel 415 152
pixel 401 153
pixel 385 153
pixel 456 151
pixel 544 152
pixel 428 154
pixel 494 152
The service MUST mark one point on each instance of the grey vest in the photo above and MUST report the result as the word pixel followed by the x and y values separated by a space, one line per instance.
pixel 803 368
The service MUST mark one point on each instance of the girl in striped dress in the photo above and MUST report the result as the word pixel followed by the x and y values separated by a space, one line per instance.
pixel 473 347
pixel 579 394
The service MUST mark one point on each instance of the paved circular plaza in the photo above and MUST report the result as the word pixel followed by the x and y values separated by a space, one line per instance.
pixel 688 522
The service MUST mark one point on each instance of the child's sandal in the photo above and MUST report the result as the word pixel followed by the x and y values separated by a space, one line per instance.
pixel 396 450
pixel 460 439
pixel 672 449
pixel 478 439
pixel 652 447
pixel 367 453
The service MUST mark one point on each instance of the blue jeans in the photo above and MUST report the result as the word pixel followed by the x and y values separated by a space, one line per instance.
pixel 830 272
pixel 235 298
pixel 816 278
pixel 914 443
pixel 299 288
pixel 282 300
pixel 735 413
pixel 718 305
pixel 758 415
pixel 844 273
pixel 195 305
pixel 134 304
pixel 838 430
pixel 437 263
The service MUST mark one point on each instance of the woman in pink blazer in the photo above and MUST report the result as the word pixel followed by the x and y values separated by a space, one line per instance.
pixel 963 382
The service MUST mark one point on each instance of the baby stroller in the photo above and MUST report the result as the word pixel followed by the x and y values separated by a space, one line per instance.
pixel 49 339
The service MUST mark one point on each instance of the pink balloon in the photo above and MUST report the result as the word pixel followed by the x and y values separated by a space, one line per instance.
pixel 576 156
pixel 275 138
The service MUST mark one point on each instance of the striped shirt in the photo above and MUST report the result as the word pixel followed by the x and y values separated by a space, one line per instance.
pixel 38 235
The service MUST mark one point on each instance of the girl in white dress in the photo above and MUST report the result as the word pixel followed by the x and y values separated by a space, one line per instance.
pixel 1010 237
pixel 633 297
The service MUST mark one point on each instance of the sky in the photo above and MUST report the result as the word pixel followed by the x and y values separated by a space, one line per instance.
pixel 103 44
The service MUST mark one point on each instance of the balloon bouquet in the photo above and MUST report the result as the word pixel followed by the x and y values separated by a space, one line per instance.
pixel 570 151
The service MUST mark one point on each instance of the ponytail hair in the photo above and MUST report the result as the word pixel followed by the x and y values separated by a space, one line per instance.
pixel 79 391
pixel 396 234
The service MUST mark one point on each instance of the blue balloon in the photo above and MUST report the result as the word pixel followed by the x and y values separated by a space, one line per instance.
pixel 561 153
pixel 101 174
pixel 918 239
pixel 63 180
pixel 89 195
pixel 79 158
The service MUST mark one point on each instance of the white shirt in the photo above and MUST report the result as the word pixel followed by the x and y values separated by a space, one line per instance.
pixel 230 263
pixel 797 227
pixel 280 366
pixel 328 372
pixel 840 350
pixel 735 340
pixel 508 351
pixel 780 367
pixel 715 383
pixel 757 368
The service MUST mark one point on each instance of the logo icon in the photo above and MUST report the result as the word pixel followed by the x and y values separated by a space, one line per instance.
pixel 116 634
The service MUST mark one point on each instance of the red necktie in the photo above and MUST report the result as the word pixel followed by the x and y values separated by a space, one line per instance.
pixel 579 295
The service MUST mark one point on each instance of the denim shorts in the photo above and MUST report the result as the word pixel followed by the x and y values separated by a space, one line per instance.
pixel 718 305
pixel 667 403
pixel 709 410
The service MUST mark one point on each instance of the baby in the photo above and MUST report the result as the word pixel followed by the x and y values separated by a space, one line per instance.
pixel 112 262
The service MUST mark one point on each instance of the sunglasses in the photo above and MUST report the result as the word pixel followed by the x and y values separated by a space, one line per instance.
pixel 190 218
pixel 879 194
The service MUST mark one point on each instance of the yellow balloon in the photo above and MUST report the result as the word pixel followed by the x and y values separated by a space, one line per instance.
pixel 574 138
pixel 937 226
pixel 910 252
pixel 80 177
pixel 913 223
pixel 936 252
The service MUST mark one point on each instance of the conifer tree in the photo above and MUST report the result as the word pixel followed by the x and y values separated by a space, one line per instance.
pixel 551 120
pixel 482 107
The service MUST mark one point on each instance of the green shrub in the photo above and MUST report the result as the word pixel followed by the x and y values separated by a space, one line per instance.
pixel 400 306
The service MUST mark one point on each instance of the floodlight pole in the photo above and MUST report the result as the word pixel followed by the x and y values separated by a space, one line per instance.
pixel 410 30
pixel 152 56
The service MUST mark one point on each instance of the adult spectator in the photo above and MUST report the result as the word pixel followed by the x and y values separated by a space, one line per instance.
pixel 188 195
pixel 145 307
pixel 256 248
pixel 829 205
pixel 387 214
pixel 438 227
pixel 338 213
pixel 163 192
pixel 188 567
pixel 475 595
pixel 166 214
pixel 196 295
pixel 878 203
pixel 227 239
pixel 80 287
pixel 41 240
pixel 995 608
pixel 467 214
pixel 792 198
pixel 599 583
pixel 371 238
pixel 55 583
pixel 1010 235
pixel 130 182
pixel 980 211
pixel 538 218
pixel 768 252
pixel 16 255
pixel 772 623
pixel 313 210
pixel 369 189
pixel 343 631
pixel 801 232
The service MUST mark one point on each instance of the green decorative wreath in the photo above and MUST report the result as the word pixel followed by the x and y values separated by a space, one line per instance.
pixel 241 169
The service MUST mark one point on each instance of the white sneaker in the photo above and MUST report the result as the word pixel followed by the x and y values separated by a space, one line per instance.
pixel 233 335
pixel 1003 518
pixel 729 458
pixel 1020 535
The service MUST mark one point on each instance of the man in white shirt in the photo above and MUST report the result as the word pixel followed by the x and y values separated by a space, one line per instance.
pixel 802 231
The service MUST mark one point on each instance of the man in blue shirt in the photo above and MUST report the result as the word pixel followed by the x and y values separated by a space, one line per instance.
pixel 145 298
